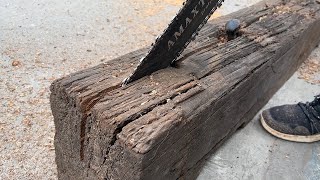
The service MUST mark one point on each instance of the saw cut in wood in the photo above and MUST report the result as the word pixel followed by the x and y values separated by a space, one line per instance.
pixel 183 28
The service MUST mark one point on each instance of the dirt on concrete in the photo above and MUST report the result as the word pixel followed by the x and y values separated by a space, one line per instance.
pixel 310 69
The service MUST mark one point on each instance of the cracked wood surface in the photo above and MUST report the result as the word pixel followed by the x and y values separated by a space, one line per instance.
pixel 162 126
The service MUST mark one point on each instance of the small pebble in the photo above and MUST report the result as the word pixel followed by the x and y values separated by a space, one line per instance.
pixel 16 63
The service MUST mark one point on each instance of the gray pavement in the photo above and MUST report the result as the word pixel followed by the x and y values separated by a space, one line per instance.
pixel 252 153
pixel 41 40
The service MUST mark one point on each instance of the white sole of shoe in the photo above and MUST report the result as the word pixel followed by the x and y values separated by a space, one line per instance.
pixel 289 137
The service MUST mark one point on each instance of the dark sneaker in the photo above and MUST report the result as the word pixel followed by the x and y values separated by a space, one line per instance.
pixel 298 122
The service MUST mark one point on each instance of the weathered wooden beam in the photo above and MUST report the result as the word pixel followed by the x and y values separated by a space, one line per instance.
pixel 162 126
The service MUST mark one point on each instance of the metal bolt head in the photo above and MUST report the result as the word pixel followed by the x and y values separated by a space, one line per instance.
pixel 232 28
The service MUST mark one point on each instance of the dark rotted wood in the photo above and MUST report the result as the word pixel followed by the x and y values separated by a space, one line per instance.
pixel 164 125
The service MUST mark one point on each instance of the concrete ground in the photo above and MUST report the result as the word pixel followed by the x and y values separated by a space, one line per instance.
pixel 41 40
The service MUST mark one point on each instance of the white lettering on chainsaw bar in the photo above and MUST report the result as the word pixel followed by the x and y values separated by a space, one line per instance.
pixel 188 21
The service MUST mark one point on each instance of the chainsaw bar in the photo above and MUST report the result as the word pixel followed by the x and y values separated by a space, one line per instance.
pixel 183 28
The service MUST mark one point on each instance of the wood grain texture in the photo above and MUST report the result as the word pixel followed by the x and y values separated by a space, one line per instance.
pixel 163 126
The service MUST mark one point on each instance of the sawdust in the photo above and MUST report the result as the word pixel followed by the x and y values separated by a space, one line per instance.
pixel 310 69
pixel 216 15
pixel 16 63
pixel 174 2
pixel 155 7
pixel 153 10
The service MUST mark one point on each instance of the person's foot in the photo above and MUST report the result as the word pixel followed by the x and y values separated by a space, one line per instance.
pixel 298 122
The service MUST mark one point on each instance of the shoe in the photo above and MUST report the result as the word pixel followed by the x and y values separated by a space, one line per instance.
pixel 298 122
